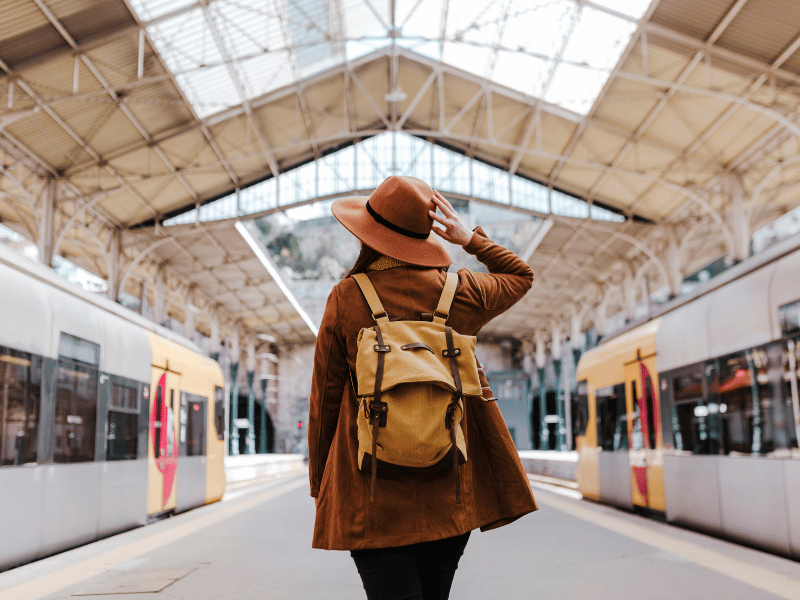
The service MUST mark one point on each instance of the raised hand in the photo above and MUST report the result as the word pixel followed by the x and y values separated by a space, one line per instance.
pixel 454 230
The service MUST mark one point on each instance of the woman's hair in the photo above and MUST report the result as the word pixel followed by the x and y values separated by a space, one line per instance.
pixel 366 257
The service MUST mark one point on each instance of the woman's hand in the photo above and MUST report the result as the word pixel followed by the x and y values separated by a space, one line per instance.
pixel 454 230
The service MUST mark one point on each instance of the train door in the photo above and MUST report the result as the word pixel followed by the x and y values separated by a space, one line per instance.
pixel 644 427
pixel 165 398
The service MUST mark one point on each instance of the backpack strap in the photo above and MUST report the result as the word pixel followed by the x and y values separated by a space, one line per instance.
pixel 446 299
pixel 371 296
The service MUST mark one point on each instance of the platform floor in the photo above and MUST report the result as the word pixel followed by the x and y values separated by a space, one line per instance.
pixel 256 545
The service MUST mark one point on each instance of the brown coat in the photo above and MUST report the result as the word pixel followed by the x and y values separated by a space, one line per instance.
pixel 419 507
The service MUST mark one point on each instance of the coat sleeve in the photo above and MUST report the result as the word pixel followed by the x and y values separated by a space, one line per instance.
pixel 327 386
pixel 508 280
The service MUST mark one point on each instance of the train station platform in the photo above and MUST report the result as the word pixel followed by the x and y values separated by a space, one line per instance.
pixel 255 544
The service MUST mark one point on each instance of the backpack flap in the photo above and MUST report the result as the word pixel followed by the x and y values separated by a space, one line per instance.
pixel 412 346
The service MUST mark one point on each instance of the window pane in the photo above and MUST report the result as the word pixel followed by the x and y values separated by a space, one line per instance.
pixel 790 318
pixel 77 349
pixel 612 420
pixel 76 412
pixel 219 412
pixel 582 420
pixel 124 397
pixel 193 421
pixel 20 391
pixel 122 435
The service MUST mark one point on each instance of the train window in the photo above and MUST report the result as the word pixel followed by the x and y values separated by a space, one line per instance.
pixel 76 412
pixel 74 348
pixel 582 416
pixel 790 318
pixel 691 410
pixel 193 425
pixel 612 418
pixel 123 418
pixel 219 412
pixel 20 393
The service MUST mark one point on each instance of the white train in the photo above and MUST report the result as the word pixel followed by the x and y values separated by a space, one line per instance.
pixel 695 416
pixel 106 419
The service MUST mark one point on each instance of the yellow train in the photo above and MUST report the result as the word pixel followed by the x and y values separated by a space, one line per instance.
pixel 694 415
pixel 107 421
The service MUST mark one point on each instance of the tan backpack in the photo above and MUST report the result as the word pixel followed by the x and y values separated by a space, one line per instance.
pixel 412 377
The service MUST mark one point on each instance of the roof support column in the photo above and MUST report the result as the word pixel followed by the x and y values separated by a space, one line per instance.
pixel 628 293
pixel 46 241
pixel 575 336
pixel 115 244
pixel 160 304
pixel 601 312
pixel 740 224
pixel 188 324
pixel 540 357
pixel 251 394
pixel 673 262
pixel 557 351
pixel 213 317
pixel 234 410
pixel 266 376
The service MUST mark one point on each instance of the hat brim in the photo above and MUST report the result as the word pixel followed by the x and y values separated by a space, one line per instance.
pixel 352 213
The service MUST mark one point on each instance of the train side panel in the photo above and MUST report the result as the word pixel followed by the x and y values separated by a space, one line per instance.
pixel 622 464
pixel 185 456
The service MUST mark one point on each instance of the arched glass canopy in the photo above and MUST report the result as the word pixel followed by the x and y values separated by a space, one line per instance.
pixel 364 165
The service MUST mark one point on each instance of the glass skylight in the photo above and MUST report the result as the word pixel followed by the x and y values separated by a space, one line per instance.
pixel 365 165
pixel 224 52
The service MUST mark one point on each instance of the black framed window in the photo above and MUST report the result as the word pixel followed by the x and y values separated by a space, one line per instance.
pixel 123 417
pixel 20 396
pixel 582 416
pixel 612 418
pixel 790 318
pixel 76 400
pixel 193 424
pixel 219 412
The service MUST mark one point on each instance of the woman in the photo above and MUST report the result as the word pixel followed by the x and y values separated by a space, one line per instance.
pixel 406 543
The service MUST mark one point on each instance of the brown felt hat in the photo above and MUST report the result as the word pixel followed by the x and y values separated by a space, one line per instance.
pixel 394 220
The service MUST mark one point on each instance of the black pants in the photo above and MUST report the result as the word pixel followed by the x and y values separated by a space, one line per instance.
pixel 421 571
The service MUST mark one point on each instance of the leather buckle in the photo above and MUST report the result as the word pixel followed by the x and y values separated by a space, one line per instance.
pixel 377 412
pixel 384 348
pixel 454 352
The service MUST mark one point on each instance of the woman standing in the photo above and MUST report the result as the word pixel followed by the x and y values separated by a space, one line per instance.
pixel 407 542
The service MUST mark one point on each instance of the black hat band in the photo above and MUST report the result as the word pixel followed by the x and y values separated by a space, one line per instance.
pixel 397 228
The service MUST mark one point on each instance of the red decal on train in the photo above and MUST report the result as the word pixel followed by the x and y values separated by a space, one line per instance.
pixel 165 442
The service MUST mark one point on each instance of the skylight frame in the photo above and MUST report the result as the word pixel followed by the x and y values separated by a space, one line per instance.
pixel 224 53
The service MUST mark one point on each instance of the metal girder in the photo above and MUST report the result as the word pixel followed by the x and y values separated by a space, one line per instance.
pixel 237 82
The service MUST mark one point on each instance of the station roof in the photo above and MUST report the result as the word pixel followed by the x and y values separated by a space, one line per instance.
pixel 144 109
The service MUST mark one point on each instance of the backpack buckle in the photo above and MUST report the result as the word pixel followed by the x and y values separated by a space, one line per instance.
pixel 448 352
pixel 382 348
pixel 451 411
pixel 377 412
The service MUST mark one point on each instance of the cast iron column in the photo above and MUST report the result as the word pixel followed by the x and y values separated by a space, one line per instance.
pixel 234 409
pixel 251 413
pixel 263 445
pixel 561 443
pixel 544 432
